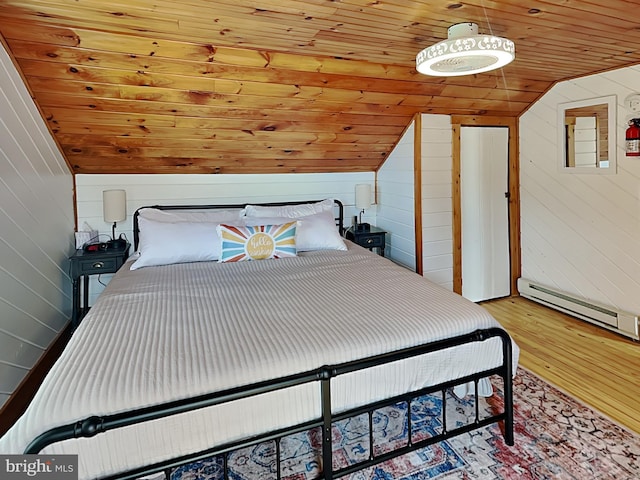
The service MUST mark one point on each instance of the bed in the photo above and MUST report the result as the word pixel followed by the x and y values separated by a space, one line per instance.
pixel 192 351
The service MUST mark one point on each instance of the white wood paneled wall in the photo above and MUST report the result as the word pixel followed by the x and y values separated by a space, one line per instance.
pixel 396 206
pixel 437 209
pixel 581 232
pixel 145 190
pixel 395 202
pixel 36 233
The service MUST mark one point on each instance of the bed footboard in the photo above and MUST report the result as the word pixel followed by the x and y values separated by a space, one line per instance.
pixel 96 425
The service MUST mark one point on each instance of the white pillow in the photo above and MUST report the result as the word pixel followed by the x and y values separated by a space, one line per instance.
pixel 319 232
pixel 290 211
pixel 314 232
pixel 164 243
pixel 200 215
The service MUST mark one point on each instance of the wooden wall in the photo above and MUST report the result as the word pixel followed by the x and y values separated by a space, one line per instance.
pixel 581 231
pixel 395 195
pixel 397 208
pixel 36 233
pixel 437 208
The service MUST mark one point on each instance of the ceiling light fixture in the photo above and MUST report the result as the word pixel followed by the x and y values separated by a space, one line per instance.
pixel 465 52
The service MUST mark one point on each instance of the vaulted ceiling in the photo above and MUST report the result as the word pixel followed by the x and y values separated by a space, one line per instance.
pixel 235 86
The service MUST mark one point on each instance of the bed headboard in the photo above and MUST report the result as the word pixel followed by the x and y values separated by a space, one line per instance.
pixel 338 210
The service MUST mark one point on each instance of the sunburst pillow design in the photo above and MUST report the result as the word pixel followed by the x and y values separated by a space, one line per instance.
pixel 257 242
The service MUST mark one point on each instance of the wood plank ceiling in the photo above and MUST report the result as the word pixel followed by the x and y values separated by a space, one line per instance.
pixel 235 86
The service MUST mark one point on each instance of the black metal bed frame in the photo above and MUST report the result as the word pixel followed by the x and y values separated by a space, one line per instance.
pixel 95 425
pixel 136 230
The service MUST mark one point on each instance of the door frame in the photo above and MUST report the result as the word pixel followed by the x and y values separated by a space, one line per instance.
pixel 458 121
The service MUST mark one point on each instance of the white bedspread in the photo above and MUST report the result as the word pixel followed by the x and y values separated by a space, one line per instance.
pixel 164 333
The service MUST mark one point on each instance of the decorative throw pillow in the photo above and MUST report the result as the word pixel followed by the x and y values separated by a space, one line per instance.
pixel 256 242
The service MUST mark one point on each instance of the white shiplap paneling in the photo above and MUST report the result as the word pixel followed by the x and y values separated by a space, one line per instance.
pixel 396 206
pixel 437 211
pixel 36 232
pixel 143 190
pixel 396 201
pixel 581 232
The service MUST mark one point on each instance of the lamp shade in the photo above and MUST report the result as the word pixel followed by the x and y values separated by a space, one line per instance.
pixel 114 205
pixel 465 52
pixel 363 196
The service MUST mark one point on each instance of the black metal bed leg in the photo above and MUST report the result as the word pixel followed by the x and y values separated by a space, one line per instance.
pixel 327 444
pixel 278 459
pixel 508 389
pixel 508 411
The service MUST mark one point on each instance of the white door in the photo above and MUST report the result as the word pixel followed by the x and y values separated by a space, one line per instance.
pixel 484 181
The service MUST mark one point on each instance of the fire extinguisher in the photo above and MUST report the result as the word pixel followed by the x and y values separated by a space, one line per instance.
pixel 633 138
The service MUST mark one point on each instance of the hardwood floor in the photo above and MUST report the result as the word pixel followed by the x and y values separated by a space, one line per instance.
pixel 597 366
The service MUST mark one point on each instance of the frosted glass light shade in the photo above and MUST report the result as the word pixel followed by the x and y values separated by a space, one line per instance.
pixel 363 196
pixel 114 205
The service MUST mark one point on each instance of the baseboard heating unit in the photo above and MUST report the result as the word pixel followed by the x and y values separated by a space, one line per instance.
pixel 618 321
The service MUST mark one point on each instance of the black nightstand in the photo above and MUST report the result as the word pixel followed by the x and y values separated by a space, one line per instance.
pixel 84 264
pixel 374 238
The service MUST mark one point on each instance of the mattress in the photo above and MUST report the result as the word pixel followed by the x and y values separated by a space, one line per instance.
pixel 164 333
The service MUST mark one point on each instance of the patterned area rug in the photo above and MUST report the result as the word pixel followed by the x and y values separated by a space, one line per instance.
pixel 556 437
